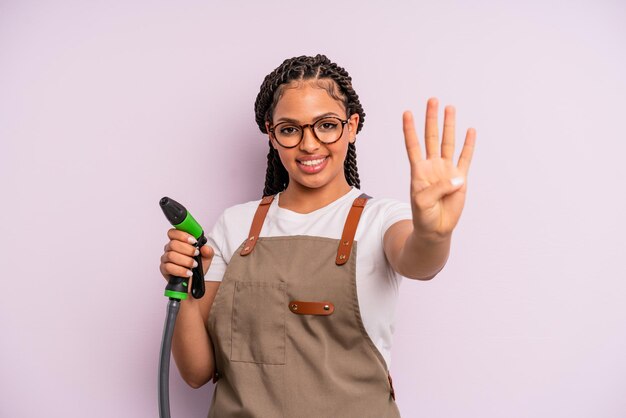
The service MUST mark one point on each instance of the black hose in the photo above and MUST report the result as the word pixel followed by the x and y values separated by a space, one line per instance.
pixel 164 362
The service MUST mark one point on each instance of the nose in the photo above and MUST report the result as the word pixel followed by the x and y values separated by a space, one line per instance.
pixel 309 143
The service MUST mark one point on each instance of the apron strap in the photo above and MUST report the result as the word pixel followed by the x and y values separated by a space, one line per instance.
pixel 347 237
pixel 349 229
pixel 257 224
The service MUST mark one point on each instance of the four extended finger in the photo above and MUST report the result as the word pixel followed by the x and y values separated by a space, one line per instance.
pixel 468 150
pixel 410 138
pixel 431 134
pixel 447 142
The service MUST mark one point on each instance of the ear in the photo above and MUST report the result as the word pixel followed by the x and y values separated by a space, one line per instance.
pixel 269 135
pixel 353 123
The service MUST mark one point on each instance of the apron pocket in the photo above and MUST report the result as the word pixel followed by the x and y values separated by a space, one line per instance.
pixel 258 322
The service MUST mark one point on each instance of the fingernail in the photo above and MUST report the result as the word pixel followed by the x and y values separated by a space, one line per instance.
pixel 191 240
pixel 195 264
pixel 457 181
pixel 196 252
pixel 189 273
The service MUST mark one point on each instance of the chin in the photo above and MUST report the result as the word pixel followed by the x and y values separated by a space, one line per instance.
pixel 315 184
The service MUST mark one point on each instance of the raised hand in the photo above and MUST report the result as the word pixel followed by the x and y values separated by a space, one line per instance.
pixel 438 186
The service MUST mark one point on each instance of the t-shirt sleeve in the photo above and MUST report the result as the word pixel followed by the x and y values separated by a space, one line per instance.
pixel 395 211
pixel 216 239
pixel 390 212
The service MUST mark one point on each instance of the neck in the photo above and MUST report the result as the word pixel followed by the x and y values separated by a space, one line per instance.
pixel 305 200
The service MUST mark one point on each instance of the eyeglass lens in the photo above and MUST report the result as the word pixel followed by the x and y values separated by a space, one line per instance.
pixel 326 130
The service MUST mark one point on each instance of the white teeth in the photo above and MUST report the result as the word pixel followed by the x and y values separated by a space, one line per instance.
pixel 312 162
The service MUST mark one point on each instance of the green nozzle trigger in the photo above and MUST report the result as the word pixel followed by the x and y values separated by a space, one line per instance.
pixel 182 220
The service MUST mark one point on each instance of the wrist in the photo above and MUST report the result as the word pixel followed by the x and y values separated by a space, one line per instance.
pixel 429 239
pixel 424 255
pixel 190 304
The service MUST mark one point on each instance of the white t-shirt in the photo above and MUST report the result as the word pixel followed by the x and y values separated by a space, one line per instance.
pixel 377 283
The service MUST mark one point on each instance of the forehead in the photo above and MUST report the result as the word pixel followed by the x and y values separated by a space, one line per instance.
pixel 306 100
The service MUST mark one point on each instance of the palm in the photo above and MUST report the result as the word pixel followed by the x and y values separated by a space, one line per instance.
pixel 435 202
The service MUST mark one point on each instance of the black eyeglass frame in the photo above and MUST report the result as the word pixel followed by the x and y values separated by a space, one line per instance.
pixel 309 125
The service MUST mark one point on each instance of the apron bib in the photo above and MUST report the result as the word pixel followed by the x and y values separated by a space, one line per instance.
pixel 287 331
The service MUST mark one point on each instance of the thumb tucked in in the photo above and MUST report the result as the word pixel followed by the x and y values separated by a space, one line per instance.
pixel 207 252
pixel 437 191
pixel 457 182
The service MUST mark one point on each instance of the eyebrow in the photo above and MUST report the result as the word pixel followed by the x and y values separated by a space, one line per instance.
pixel 324 115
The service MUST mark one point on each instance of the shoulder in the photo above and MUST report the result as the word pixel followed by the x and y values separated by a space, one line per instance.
pixel 385 203
pixel 240 212
pixel 387 211
pixel 228 232
pixel 379 214
pixel 234 221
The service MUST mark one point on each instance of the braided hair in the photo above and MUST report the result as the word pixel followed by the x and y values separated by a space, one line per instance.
pixel 305 68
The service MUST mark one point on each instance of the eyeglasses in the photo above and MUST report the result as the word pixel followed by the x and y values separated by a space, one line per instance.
pixel 326 130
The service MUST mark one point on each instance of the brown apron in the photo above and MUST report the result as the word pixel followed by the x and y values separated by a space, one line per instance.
pixel 287 332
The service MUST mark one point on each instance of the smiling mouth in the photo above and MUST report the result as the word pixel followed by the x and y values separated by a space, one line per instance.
pixel 312 163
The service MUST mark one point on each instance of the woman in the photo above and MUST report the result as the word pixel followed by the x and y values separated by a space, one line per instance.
pixel 296 321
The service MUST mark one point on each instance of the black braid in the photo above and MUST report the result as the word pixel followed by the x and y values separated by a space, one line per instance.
pixel 305 68
pixel 349 166
pixel 276 177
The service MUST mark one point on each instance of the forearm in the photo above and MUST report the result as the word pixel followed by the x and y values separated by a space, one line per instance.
pixel 422 258
pixel 191 345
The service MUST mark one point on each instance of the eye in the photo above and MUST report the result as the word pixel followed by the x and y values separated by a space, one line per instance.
pixel 289 130
pixel 327 125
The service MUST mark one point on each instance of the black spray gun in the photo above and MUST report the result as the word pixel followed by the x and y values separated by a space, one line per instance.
pixel 177 290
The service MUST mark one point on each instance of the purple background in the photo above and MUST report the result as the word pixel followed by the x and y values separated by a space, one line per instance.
pixel 104 102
